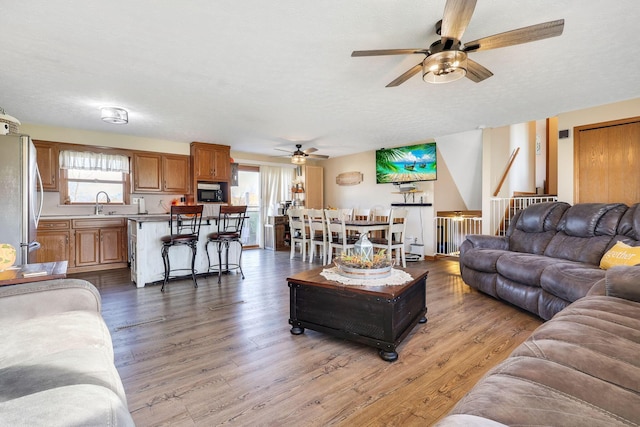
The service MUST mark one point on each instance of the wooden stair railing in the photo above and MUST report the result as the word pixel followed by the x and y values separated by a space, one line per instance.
pixel 506 172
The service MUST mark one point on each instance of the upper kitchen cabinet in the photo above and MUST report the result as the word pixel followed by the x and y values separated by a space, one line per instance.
pixel 160 173
pixel 176 173
pixel 210 162
pixel 47 158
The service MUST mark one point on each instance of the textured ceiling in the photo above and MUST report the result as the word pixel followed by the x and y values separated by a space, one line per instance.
pixel 256 74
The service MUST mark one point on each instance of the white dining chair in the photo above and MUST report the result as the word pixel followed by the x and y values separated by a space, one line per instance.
pixel 394 239
pixel 361 214
pixel 380 214
pixel 298 231
pixel 337 236
pixel 317 234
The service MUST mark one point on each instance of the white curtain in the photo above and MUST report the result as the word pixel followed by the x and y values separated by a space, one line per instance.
pixel 275 182
pixel 88 160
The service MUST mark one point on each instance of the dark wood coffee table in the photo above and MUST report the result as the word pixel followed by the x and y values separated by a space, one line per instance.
pixel 379 316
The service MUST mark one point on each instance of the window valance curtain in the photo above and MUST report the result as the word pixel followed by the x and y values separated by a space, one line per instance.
pixel 89 160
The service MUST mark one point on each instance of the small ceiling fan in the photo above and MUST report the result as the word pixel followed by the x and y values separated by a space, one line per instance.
pixel 299 157
pixel 446 60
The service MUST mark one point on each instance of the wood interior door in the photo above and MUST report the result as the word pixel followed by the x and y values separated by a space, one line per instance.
pixel 606 157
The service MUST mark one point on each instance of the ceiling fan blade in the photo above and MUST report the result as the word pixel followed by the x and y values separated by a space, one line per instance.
pixel 477 72
pixel 310 150
pixel 519 36
pixel 406 76
pixel 382 52
pixel 317 156
pixel 286 151
pixel 457 14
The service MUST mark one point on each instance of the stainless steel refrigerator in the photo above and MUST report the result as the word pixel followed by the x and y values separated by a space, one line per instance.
pixel 20 202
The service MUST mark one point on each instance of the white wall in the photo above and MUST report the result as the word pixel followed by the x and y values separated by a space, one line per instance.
pixel 462 156
pixel 603 113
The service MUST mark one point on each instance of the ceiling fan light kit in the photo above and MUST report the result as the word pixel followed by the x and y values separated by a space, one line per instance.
pixel 446 59
pixel 444 67
pixel 298 159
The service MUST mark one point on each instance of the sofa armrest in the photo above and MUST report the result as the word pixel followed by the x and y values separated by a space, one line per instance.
pixel 623 282
pixel 486 241
pixel 29 300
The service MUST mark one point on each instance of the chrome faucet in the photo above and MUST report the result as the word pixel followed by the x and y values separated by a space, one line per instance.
pixel 98 206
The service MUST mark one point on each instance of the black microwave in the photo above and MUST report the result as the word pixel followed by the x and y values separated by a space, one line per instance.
pixel 210 193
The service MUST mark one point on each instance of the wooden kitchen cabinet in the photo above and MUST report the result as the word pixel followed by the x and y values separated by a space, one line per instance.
pixel 55 242
pixel 211 162
pixel 176 174
pixel 100 241
pixel 87 247
pixel 147 172
pixel 161 173
pixel 99 246
pixel 47 159
pixel 87 244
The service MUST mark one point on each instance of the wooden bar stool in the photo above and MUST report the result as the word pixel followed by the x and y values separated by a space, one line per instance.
pixel 184 226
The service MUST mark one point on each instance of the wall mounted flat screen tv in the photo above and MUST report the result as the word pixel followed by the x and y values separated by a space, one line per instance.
pixel 406 164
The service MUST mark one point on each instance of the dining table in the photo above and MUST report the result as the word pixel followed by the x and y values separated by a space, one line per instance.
pixel 365 226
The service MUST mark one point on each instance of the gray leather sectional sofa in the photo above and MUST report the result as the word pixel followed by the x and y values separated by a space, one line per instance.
pixel 551 254
pixel 582 367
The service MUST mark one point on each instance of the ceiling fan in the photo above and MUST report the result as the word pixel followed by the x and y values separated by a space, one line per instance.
pixel 299 157
pixel 446 60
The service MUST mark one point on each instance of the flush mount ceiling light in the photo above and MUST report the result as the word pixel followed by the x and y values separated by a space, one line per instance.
pixel 444 67
pixel 114 115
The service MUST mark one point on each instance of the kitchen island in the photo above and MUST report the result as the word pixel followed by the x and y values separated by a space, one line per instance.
pixel 145 250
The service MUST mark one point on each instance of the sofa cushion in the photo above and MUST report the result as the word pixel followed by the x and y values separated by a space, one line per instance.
pixel 523 296
pixel 535 227
pixel 541 217
pixel 570 280
pixel 579 249
pixel 629 225
pixel 40 336
pixel 523 268
pixel 590 219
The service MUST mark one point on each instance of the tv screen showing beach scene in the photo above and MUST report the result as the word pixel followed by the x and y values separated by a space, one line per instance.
pixel 406 164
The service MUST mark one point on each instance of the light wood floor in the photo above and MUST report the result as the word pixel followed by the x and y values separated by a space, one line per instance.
pixel 223 354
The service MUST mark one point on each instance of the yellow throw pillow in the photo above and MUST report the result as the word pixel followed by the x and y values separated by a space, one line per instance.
pixel 620 254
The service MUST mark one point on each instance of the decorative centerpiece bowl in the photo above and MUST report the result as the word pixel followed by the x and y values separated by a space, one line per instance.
pixel 7 256
pixel 356 267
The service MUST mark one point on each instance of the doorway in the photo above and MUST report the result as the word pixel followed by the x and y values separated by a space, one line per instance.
pixel 247 192
pixel 606 162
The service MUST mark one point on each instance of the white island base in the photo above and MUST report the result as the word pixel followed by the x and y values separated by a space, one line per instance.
pixel 145 251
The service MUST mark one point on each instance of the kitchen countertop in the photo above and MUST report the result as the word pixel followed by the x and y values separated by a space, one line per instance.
pixel 133 217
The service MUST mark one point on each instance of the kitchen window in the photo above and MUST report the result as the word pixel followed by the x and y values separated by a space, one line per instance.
pixel 84 174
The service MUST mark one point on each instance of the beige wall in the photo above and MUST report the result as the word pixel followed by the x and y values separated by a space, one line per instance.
pixel 603 113
pixel 116 140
